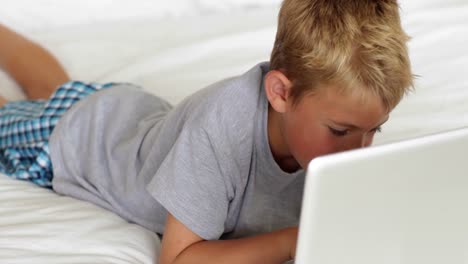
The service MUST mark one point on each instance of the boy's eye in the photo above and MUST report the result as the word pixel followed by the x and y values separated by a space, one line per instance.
pixel 377 130
pixel 339 133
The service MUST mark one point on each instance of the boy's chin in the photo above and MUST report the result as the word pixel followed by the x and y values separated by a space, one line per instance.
pixel 291 165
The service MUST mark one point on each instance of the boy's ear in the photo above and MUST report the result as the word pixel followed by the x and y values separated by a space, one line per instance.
pixel 278 89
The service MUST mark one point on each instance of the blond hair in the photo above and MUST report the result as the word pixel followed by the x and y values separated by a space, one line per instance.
pixel 352 43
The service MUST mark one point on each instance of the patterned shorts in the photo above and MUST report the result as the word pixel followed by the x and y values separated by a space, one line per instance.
pixel 25 128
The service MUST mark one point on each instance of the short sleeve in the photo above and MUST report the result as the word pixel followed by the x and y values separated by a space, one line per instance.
pixel 190 185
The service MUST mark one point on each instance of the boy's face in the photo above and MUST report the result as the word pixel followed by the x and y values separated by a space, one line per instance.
pixel 330 122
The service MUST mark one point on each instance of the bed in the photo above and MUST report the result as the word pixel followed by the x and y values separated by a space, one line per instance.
pixel 173 48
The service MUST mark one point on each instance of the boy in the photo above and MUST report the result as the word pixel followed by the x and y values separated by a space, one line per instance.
pixel 220 175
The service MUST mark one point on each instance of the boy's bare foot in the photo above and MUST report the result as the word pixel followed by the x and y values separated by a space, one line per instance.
pixel 3 101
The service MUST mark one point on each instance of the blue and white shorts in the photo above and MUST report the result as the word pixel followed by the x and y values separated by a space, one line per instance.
pixel 25 128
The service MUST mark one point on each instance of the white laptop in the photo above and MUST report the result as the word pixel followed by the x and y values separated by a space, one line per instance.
pixel 400 203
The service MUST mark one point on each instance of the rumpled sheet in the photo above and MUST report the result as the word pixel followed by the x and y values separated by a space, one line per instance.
pixel 39 226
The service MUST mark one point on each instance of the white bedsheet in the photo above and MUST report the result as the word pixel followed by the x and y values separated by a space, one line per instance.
pixel 173 52
pixel 39 226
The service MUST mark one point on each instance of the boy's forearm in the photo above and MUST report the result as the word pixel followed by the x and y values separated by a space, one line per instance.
pixel 270 248
pixel 30 65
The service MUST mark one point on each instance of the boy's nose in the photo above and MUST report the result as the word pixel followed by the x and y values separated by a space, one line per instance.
pixel 360 142
pixel 367 140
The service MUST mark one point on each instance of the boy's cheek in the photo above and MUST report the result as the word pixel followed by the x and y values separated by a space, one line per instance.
pixel 306 150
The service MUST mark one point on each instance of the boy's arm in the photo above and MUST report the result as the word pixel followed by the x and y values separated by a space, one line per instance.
pixel 30 65
pixel 181 245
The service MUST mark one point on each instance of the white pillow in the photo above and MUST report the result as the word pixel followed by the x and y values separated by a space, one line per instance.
pixel 418 5
pixel 32 15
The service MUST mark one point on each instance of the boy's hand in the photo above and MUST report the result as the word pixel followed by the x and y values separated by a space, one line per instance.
pixel 181 245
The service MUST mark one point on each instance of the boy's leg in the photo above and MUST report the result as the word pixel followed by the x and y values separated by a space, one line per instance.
pixel 3 101
pixel 34 68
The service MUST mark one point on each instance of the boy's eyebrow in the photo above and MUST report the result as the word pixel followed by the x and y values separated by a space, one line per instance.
pixel 356 127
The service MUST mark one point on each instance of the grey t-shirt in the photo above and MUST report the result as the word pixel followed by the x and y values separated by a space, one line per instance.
pixel 207 161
